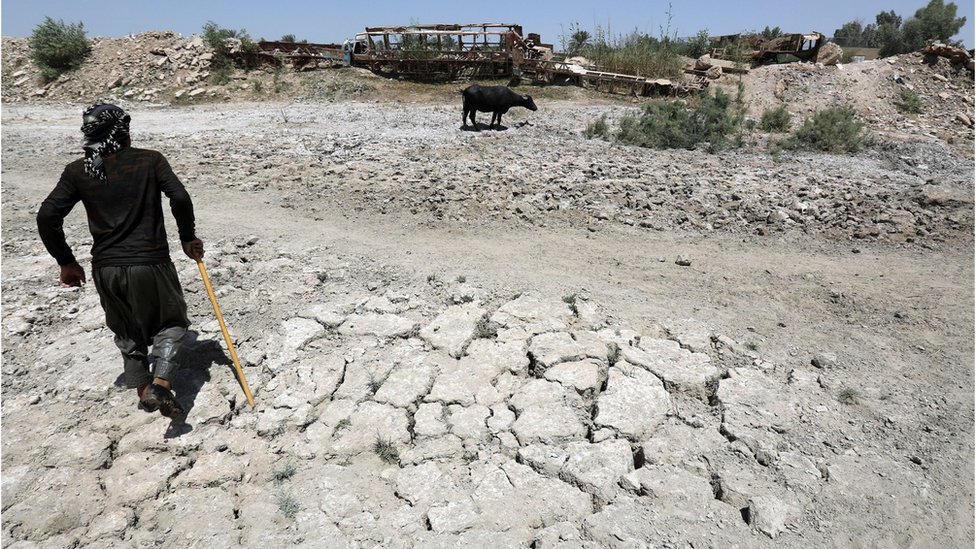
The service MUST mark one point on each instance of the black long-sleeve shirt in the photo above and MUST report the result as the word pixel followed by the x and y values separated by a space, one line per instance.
pixel 125 212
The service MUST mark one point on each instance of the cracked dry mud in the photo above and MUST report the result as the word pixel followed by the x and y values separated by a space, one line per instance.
pixel 461 339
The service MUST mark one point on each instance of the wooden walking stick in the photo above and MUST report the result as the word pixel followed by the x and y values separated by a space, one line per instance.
pixel 223 328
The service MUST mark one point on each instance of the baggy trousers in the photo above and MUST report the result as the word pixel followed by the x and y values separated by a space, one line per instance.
pixel 144 306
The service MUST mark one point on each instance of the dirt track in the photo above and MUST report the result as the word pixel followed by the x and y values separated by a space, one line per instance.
pixel 389 209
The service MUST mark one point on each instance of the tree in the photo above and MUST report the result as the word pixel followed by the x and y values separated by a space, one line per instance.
pixel 889 40
pixel 697 45
pixel 288 38
pixel 936 21
pixel 770 33
pixel 849 35
pixel 56 47
pixel 888 18
pixel 578 39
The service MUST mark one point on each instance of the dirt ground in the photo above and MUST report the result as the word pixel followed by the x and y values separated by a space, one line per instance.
pixel 832 294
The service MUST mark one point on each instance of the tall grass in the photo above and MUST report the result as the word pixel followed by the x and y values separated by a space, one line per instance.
pixel 637 53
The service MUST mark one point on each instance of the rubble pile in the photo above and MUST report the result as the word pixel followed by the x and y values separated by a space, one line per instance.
pixel 150 67
pixel 873 89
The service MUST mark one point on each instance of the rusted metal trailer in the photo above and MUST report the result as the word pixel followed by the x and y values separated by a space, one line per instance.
pixel 451 50
pixel 757 50
pixel 472 50
pixel 299 54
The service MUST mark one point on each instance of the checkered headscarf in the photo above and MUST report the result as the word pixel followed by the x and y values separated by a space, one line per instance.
pixel 106 129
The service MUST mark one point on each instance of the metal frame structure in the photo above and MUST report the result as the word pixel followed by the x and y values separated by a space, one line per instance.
pixel 760 51
pixel 472 50
pixel 299 54
pixel 475 49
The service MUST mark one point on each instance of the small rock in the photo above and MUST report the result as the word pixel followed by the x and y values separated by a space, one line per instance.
pixel 768 514
pixel 683 261
pixel 824 360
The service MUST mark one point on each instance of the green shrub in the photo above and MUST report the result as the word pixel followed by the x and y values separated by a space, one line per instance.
pixel 597 128
pixel 834 129
pixel 697 45
pixel 672 125
pixel 220 75
pixel 223 62
pixel 909 102
pixel 776 119
pixel 56 47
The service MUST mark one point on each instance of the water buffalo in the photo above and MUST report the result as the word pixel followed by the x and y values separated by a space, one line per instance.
pixel 494 99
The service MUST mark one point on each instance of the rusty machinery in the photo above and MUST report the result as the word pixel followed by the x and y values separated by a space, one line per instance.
pixel 463 50
pixel 758 51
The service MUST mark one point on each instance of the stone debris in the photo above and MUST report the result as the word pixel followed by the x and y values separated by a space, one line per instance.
pixel 769 515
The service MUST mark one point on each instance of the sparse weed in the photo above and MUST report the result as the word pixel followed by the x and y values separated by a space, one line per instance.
pixel 752 346
pixel 462 279
pixel 614 354
pixel 467 298
pixel 485 329
pixel 386 450
pixel 278 82
pixel 344 423
pixel 287 503
pixel 849 396
pixel 284 473
pixel 597 128
pixel 373 384
pixel 571 301
pixel 432 279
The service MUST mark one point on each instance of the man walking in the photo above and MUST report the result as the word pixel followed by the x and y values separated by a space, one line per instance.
pixel 120 187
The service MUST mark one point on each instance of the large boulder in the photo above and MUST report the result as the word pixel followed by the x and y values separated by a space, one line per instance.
pixel 830 54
